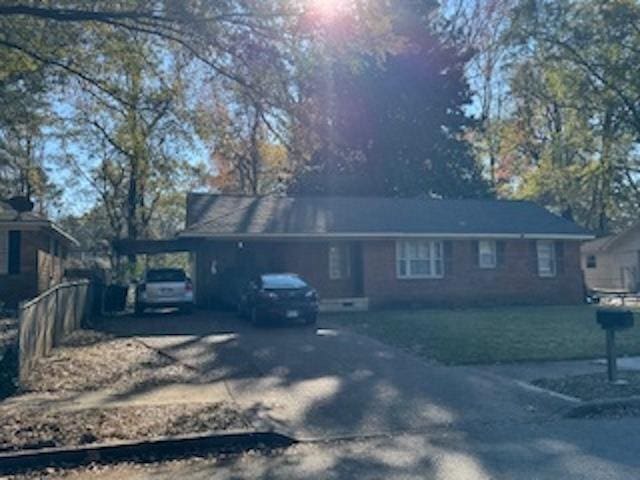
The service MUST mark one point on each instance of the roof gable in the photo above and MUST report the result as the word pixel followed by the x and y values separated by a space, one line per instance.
pixel 227 215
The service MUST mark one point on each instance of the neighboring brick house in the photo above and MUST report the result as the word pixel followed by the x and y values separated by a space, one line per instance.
pixel 32 251
pixel 361 251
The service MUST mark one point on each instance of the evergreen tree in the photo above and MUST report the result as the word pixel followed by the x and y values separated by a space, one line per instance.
pixel 395 126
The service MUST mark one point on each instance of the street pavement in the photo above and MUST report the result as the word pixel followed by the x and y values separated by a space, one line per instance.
pixel 556 450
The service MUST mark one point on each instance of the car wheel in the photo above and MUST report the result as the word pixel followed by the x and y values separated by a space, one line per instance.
pixel 311 319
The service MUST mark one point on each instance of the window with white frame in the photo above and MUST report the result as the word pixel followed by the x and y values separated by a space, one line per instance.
pixel 546 258
pixel 419 259
pixel 487 254
pixel 4 252
pixel 339 261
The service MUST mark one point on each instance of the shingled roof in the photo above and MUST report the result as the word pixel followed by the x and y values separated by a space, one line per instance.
pixel 212 215
pixel 10 218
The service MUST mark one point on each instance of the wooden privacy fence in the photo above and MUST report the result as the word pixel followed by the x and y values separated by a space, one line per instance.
pixel 48 318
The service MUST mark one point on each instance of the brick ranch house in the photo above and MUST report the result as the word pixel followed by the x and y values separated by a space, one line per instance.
pixel 360 252
pixel 32 252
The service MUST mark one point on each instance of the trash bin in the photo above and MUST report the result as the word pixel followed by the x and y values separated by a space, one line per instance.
pixel 115 298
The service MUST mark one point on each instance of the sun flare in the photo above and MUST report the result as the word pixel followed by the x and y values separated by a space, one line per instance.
pixel 327 9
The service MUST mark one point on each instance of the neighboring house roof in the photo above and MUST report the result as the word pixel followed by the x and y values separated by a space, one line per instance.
pixel 212 215
pixel 606 244
pixel 598 245
pixel 13 219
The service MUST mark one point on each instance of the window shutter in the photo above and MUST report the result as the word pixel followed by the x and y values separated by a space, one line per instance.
pixel 448 257
pixel 533 257
pixel 559 246
pixel 500 246
pixel 475 252
pixel 14 252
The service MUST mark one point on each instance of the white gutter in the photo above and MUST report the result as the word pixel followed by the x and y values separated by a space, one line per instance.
pixel 390 235
pixel 56 228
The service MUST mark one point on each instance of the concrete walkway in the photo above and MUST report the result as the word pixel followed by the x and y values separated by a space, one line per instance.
pixel 324 383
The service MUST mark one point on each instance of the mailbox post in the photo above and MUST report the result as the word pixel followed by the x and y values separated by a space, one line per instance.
pixel 612 320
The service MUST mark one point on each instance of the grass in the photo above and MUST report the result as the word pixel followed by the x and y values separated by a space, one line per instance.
pixel 493 335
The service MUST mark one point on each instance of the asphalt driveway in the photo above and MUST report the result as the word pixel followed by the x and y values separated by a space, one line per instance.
pixel 326 382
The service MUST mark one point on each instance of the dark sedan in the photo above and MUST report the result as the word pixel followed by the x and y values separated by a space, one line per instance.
pixel 276 297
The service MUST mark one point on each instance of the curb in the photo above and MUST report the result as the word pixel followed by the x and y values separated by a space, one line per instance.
pixel 551 393
pixel 166 448
pixel 597 407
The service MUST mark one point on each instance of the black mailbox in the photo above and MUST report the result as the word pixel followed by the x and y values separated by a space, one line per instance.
pixel 612 319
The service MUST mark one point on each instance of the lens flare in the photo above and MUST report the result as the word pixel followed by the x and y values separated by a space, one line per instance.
pixel 327 10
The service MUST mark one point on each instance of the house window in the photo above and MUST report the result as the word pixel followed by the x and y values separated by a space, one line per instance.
pixel 487 254
pixel 592 262
pixel 546 258
pixel 4 252
pixel 339 261
pixel 419 259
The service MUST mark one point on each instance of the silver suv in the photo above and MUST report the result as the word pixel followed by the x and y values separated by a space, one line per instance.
pixel 163 288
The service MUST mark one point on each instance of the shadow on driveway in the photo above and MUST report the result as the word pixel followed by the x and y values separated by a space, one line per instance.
pixel 325 382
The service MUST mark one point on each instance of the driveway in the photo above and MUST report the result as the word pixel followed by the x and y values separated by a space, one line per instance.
pixel 326 382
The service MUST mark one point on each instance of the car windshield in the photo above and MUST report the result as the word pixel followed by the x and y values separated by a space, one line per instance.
pixel 165 275
pixel 282 281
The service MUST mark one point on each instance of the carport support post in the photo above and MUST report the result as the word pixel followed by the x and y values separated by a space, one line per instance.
pixel 612 367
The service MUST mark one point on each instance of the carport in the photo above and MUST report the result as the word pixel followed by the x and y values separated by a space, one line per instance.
pixel 216 268
pixel 128 247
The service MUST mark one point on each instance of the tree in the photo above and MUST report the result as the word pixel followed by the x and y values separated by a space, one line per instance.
pixel 221 34
pixel 576 108
pixel 479 26
pixel 24 117
pixel 131 144
pixel 399 118
pixel 246 156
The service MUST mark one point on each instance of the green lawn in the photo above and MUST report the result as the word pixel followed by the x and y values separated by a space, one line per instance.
pixel 492 335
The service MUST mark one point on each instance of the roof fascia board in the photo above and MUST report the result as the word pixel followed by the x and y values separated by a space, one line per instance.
pixel 391 235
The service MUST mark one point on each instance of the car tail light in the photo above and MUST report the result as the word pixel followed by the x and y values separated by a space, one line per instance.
pixel 311 294
pixel 189 286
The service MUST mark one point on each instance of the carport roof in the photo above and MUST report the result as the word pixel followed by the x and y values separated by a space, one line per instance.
pixel 220 216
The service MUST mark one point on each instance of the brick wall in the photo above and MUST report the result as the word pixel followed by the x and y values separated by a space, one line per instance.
pixel 515 282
